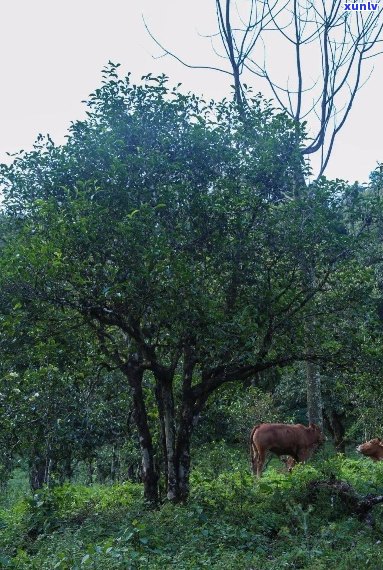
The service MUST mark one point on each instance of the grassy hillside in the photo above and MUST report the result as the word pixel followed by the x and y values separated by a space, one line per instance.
pixel 232 521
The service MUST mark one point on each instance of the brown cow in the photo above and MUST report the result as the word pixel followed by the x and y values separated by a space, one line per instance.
pixel 295 440
pixel 372 449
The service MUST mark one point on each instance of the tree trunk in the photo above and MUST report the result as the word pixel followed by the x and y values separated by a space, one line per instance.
pixel 134 373
pixel 90 466
pixel 177 442
pixel 188 412
pixel 68 467
pixel 165 403
pixel 162 463
pixel 313 378
pixel 183 451
pixel 314 394
pixel 37 471
pixel 172 485
pixel 115 464
pixel 335 425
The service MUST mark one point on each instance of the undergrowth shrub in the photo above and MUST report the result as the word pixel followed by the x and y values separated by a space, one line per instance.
pixel 231 520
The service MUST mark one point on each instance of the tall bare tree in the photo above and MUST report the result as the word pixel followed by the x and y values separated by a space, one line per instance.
pixel 309 55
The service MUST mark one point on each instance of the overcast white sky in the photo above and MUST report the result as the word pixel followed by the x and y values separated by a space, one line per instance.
pixel 52 53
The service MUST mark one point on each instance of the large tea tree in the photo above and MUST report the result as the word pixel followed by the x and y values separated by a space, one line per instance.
pixel 172 228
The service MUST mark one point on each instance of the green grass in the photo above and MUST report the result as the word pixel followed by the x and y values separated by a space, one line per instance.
pixel 231 522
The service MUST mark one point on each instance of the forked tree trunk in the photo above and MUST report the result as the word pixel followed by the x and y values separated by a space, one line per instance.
pixel 177 439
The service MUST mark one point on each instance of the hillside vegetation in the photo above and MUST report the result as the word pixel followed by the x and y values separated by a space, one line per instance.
pixel 231 520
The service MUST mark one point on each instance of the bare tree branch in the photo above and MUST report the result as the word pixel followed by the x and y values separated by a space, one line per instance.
pixel 326 44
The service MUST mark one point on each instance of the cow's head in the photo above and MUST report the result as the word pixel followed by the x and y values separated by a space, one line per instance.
pixel 318 435
pixel 372 448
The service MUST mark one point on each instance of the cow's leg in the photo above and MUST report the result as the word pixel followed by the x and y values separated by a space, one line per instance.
pixel 253 454
pixel 260 461
pixel 303 455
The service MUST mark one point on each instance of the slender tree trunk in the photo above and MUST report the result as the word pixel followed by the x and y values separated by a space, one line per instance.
pixel 165 404
pixel 39 466
pixel 134 373
pixel 188 413
pixel 90 465
pixel 172 487
pixel 163 463
pixel 37 471
pixel 314 394
pixel 115 464
pixel 183 451
pixel 313 378
pixel 68 467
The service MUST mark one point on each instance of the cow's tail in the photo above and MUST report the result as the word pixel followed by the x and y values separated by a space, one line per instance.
pixel 253 450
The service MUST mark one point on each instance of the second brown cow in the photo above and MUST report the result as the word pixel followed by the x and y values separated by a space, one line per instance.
pixel 295 440
pixel 372 449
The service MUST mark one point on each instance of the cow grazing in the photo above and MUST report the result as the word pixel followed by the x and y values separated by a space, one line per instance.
pixel 295 440
pixel 372 449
